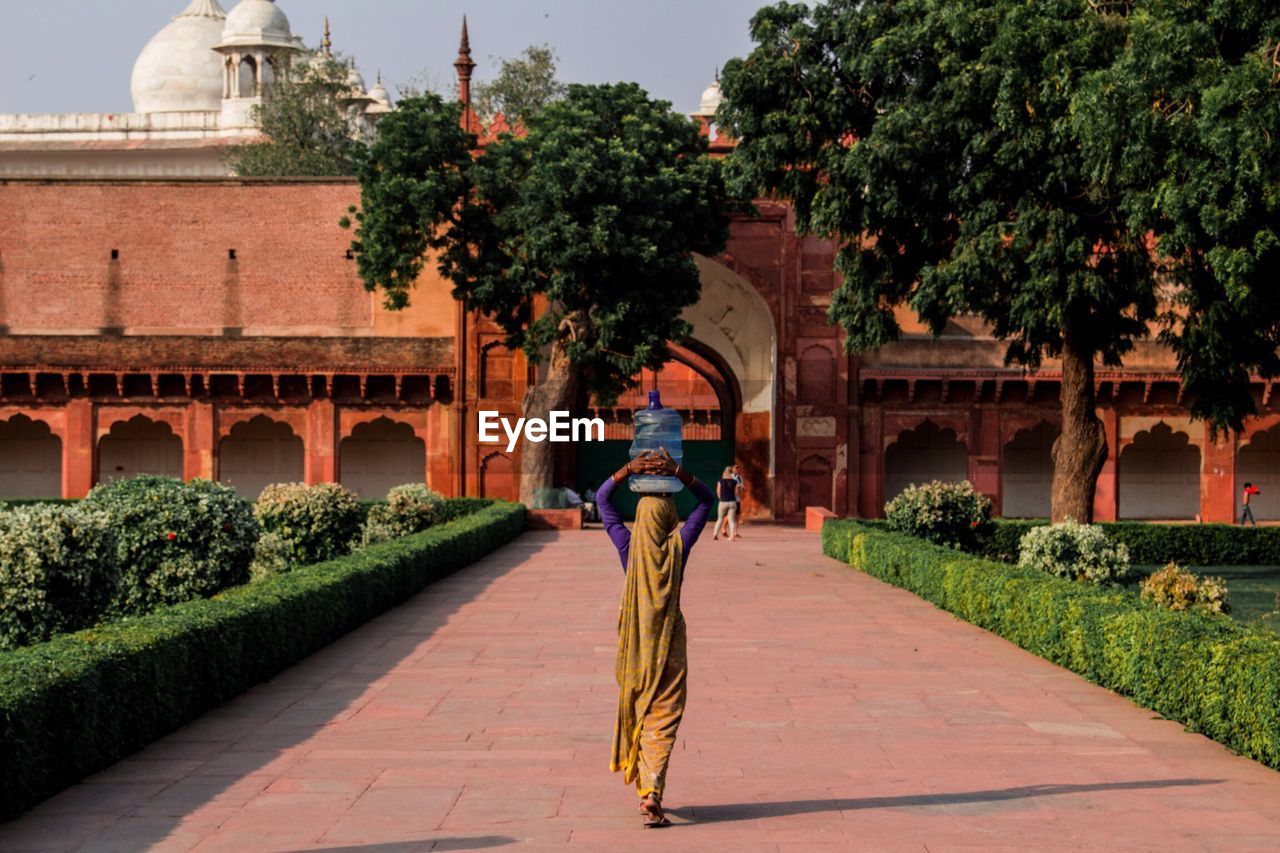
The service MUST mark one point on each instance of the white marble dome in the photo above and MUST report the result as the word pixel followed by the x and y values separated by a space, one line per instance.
pixel 711 100
pixel 178 70
pixel 255 23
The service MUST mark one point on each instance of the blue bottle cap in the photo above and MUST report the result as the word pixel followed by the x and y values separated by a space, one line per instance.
pixel 655 401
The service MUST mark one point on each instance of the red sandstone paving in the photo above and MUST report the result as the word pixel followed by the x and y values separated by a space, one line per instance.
pixel 827 711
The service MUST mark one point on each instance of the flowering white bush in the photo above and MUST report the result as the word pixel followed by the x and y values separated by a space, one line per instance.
pixel 175 541
pixel 318 522
pixel 56 571
pixel 409 509
pixel 1075 551
pixel 951 514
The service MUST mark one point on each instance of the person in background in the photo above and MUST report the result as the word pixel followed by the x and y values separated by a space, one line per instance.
pixel 728 492
pixel 651 667
pixel 1246 512
pixel 742 490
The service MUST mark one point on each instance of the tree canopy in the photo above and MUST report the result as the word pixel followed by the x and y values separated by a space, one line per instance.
pixel 307 125
pixel 578 236
pixel 523 86
pixel 1021 162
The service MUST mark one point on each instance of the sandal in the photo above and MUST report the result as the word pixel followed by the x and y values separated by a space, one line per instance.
pixel 651 808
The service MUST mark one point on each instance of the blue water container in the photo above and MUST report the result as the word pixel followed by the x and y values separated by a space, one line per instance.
pixel 656 429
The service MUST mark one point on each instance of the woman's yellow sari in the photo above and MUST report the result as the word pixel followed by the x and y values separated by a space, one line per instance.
pixel 651 666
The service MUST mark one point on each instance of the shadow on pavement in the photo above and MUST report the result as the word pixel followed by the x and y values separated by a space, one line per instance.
pixel 477 842
pixel 230 746
pixel 754 811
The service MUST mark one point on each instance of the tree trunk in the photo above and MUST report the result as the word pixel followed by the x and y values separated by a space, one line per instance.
pixel 558 392
pixel 1081 449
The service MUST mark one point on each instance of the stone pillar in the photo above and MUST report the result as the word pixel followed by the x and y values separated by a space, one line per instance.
pixel 200 459
pixel 871 464
pixel 78 442
pixel 1218 478
pixel 984 454
pixel 321 463
pixel 1106 499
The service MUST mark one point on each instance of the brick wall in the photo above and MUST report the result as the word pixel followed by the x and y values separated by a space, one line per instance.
pixel 174 273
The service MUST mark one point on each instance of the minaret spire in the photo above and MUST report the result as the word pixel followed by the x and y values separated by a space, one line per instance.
pixel 464 66
pixel 326 44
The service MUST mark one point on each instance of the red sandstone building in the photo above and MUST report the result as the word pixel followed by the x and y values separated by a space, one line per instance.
pixel 216 327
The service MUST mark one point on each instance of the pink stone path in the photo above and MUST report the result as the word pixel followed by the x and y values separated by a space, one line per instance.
pixel 826 711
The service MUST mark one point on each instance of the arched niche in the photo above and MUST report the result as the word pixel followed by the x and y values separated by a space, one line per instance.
pixel 817 485
pixel 258 453
pixel 919 455
pixel 1159 475
pixel 498 477
pixel 139 446
pixel 1026 472
pixel 30 459
pixel 380 455
pixel 1258 463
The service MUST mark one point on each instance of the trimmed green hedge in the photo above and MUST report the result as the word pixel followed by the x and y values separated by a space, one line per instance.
pixel 1213 675
pixel 1157 544
pixel 80 702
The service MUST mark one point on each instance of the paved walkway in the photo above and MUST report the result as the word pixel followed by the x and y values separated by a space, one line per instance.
pixel 826 711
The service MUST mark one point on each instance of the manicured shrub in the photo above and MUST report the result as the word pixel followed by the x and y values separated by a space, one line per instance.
pixel 318 522
pixel 175 541
pixel 409 509
pixel 81 702
pixel 1177 589
pixel 1157 544
pixel 57 571
pixel 271 555
pixel 1213 675
pixel 1079 552
pixel 950 514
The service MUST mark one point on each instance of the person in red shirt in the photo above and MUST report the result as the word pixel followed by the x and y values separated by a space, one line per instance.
pixel 1246 513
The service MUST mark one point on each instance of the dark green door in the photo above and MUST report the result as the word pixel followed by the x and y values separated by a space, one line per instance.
pixel 706 460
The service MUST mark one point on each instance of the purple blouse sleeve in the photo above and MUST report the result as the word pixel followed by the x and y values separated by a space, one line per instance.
pixel 698 518
pixel 618 532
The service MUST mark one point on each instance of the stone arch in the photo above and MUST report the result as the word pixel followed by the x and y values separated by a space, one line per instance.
pixel 498 477
pixel 380 455
pixel 732 319
pixel 259 452
pixel 246 81
pixel 1159 475
pixel 1026 472
pixel 817 486
pixel 926 453
pixel 139 445
pixel 1259 463
pixel 30 459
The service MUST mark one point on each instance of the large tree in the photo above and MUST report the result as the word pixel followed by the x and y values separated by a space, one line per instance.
pixel 577 236
pixel 523 87
pixel 307 124
pixel 1066 169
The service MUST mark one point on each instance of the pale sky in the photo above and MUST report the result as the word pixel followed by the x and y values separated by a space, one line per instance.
pixel 70 56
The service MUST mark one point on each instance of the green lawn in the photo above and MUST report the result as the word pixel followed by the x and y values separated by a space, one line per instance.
pixel 1253 590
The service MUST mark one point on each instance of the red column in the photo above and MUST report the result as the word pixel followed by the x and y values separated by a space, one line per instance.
pixel 78 442
pixel 984 454
pixel 871 465
pixel 322 443
pixel 1218 478
pixel 202 442
pixel 1106 500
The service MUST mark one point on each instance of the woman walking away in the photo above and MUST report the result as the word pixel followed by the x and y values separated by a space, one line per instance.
pixel 728 490
pixel 651 667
